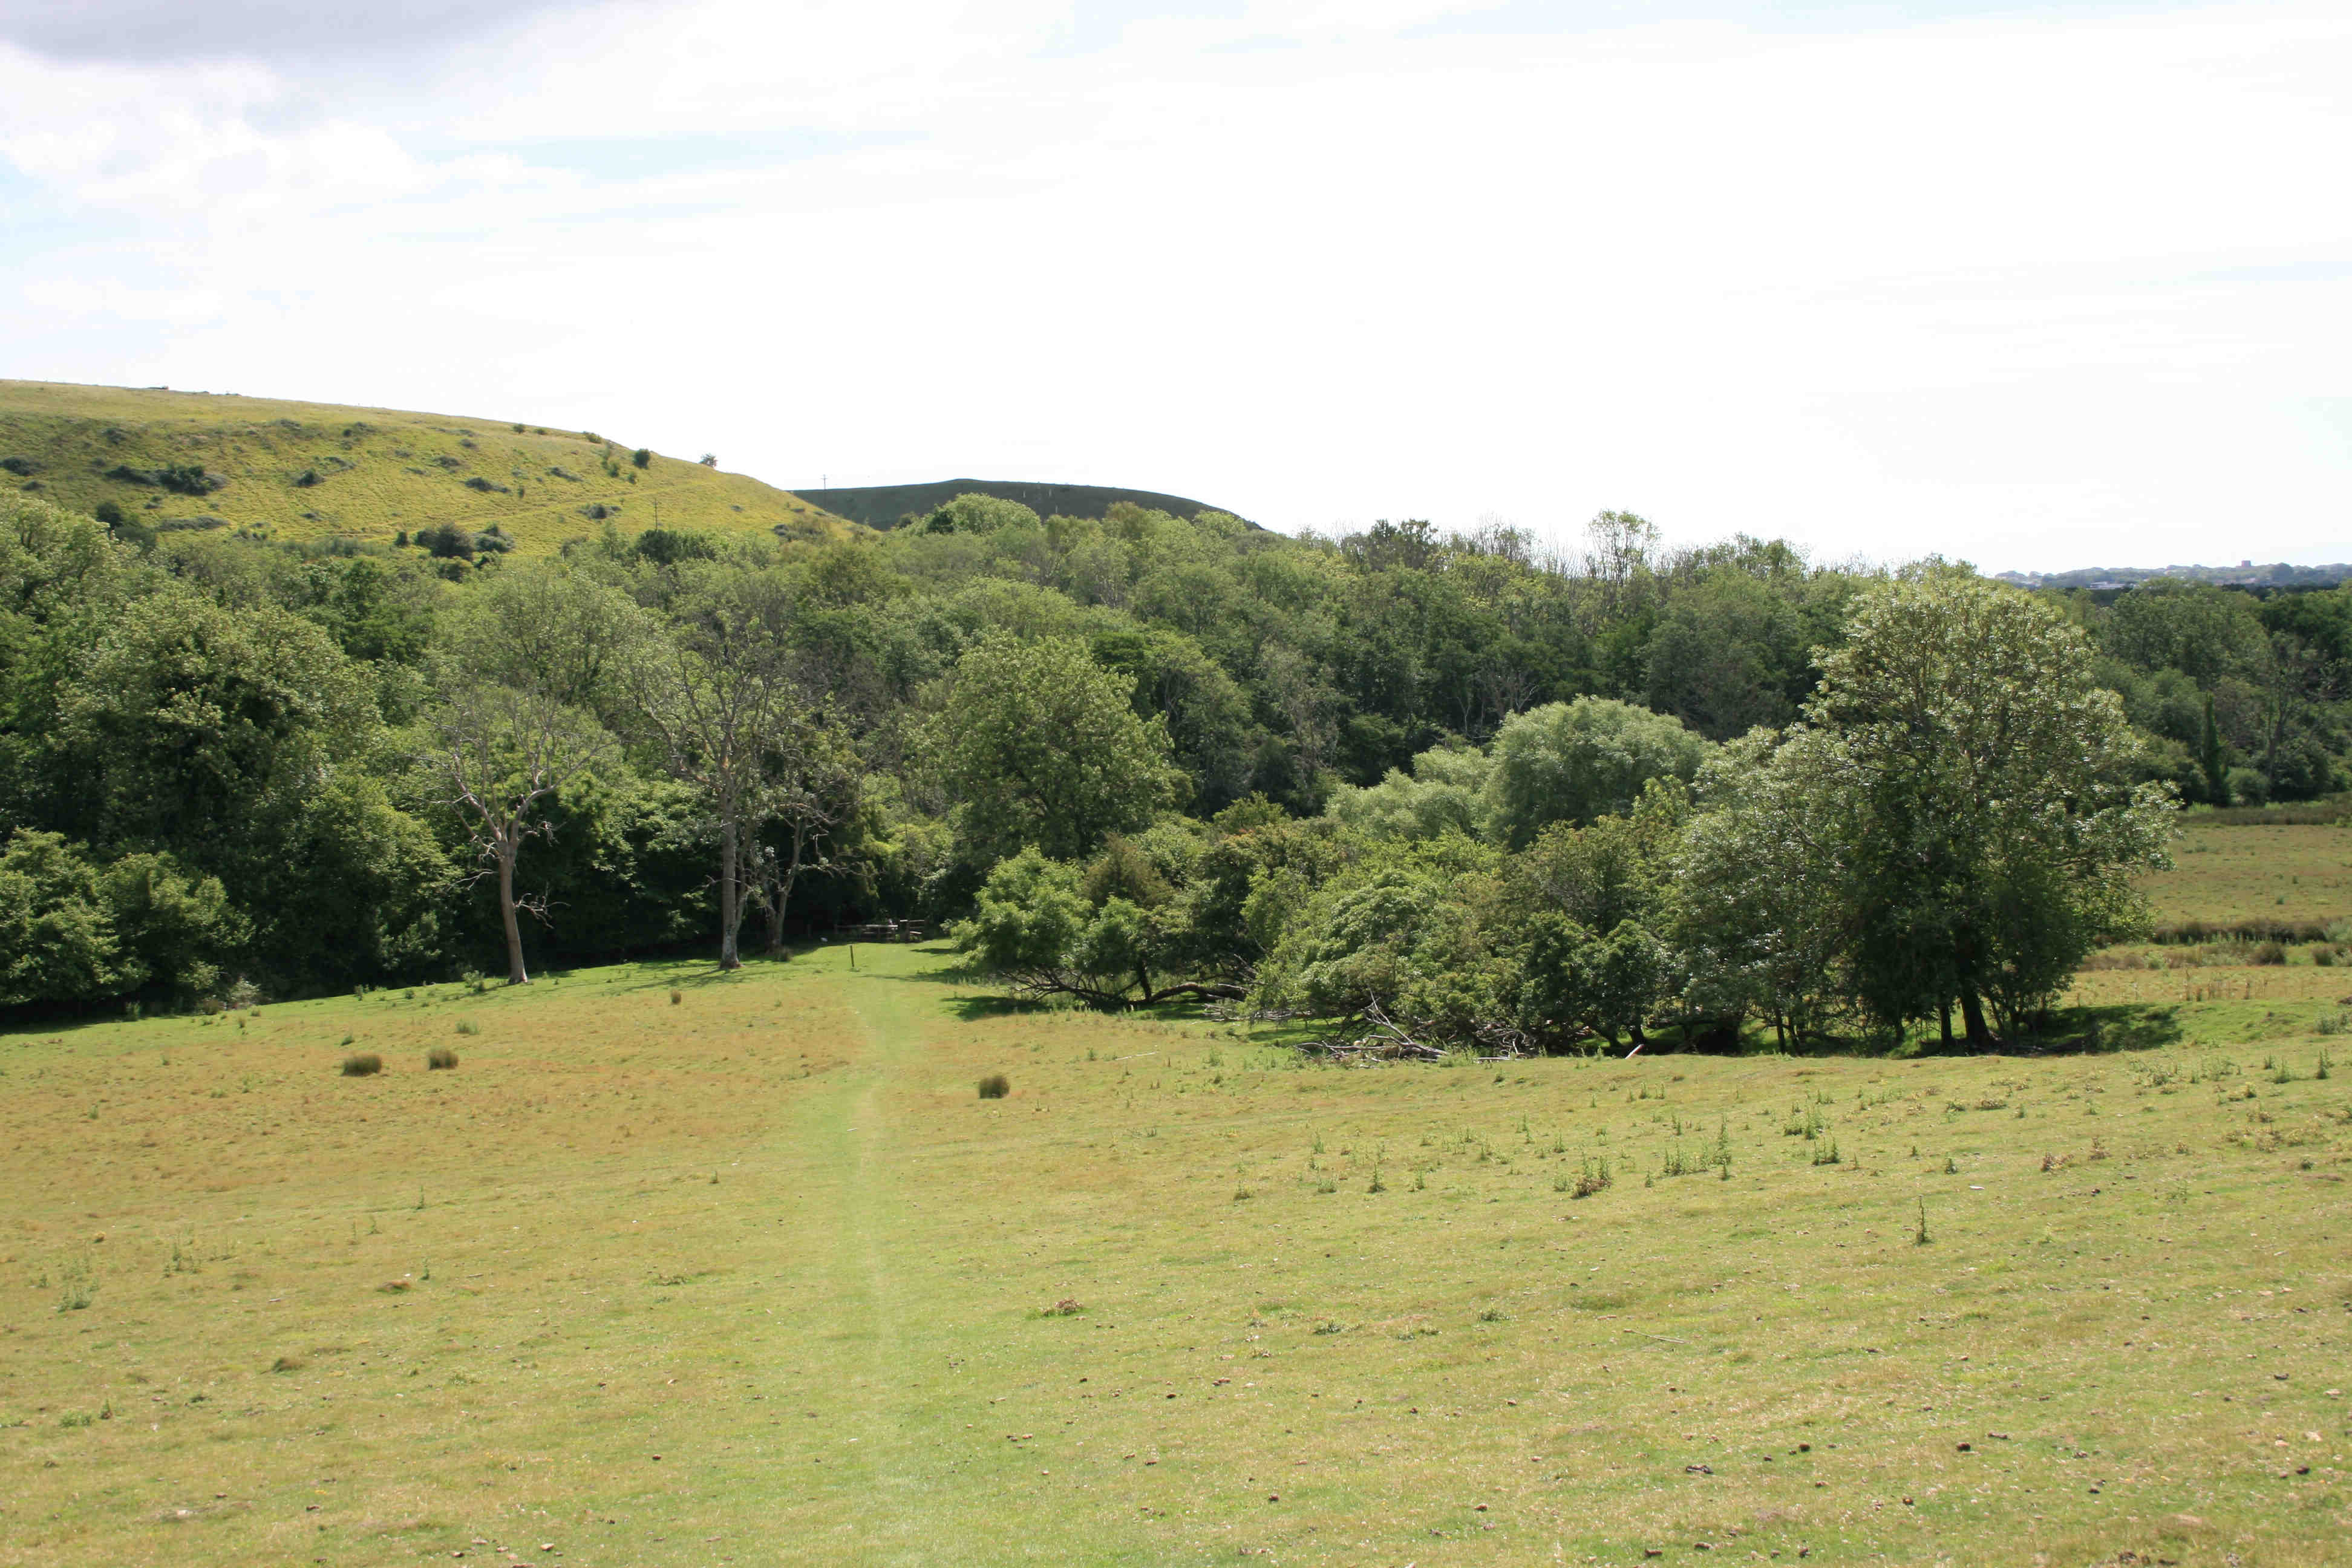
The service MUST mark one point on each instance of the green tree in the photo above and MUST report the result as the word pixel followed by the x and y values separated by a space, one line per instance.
pixel 1041 746
pixel 1572 761
pixel 2213 758
pixel 1990 827
pixel 1758 886
pixel 57 936
pixel 1447 792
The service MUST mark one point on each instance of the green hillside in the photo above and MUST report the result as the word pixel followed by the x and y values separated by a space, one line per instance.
pixel 887 505
pixel 306 471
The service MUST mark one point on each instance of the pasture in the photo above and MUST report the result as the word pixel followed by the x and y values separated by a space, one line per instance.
pixel 754 1275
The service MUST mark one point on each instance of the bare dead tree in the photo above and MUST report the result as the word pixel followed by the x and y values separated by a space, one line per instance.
pixel 498 757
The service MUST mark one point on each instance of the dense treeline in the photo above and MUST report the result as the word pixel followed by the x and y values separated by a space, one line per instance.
pixel 234 767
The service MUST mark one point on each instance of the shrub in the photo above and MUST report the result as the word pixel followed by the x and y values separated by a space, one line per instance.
pixel 676 998
pixel 2268 953
pixel 188 479
pixel 440 1058
pixel 25 468
pixel 306 479
pixel 669 546
pixel 111 513
pixel 446 540
pixel 363 1064
pixel 468 1026
pixel 642 458
pixel 995 1086
pixel 710 459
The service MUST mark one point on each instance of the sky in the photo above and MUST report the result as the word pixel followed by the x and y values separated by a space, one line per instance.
pixel 2036 288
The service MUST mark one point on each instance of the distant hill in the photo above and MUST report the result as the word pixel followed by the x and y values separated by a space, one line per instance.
pixel 887 505
pixel 311 471
pixel 2244 574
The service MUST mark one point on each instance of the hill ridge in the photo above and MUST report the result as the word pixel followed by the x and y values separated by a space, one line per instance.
pixel 885 506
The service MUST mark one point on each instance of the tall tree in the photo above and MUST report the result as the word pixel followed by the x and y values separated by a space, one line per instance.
pixel 496 759
pixel 720 699
pixel 1991 824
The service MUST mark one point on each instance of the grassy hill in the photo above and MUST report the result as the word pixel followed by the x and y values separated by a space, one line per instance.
pixel 304 471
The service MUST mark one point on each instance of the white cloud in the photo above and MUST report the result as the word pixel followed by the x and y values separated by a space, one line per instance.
pixel 2030 292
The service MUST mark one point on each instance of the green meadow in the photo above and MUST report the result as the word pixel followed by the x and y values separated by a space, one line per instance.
pixel 673 1268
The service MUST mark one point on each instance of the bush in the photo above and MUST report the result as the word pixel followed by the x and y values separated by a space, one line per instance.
pixel 669 546
pixel 440 1058
pixel 995 1086
pixel 468 1026
pixel 2268 953
pixel 306 479
pixel 446 540
pixel 188 479
pixel 642 458
pixel 363 1064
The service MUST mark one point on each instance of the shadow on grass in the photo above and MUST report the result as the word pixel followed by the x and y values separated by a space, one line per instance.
pixel 2116 1026
pixel 2079 1032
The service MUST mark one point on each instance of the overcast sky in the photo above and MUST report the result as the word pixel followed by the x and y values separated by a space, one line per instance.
pixel 2038 288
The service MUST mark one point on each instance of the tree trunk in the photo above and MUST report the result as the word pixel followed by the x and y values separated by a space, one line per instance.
pixel 1972 1011
pixel 516 975
pixel 730 897
pixel 1945 1008
pixel 775 918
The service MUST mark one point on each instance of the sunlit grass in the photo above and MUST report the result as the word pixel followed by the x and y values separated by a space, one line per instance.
pixel 772 1236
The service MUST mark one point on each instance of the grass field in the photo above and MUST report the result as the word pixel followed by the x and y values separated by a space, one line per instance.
pixel 311 471
pixel 2228 875
pixel 755 1276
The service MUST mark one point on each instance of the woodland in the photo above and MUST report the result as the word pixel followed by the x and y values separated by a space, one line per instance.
pixel 1439 792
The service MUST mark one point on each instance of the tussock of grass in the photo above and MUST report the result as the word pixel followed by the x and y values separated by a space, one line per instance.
pixel 440 1058
pixel 995 1086
pixel 363 1064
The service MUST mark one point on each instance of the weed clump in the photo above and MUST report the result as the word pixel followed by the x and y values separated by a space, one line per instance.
pixel 468 1026
pixel 363 1064
pixel 1594 1177
pixel 995 1086
pixel 440 1058
pixel 676 998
